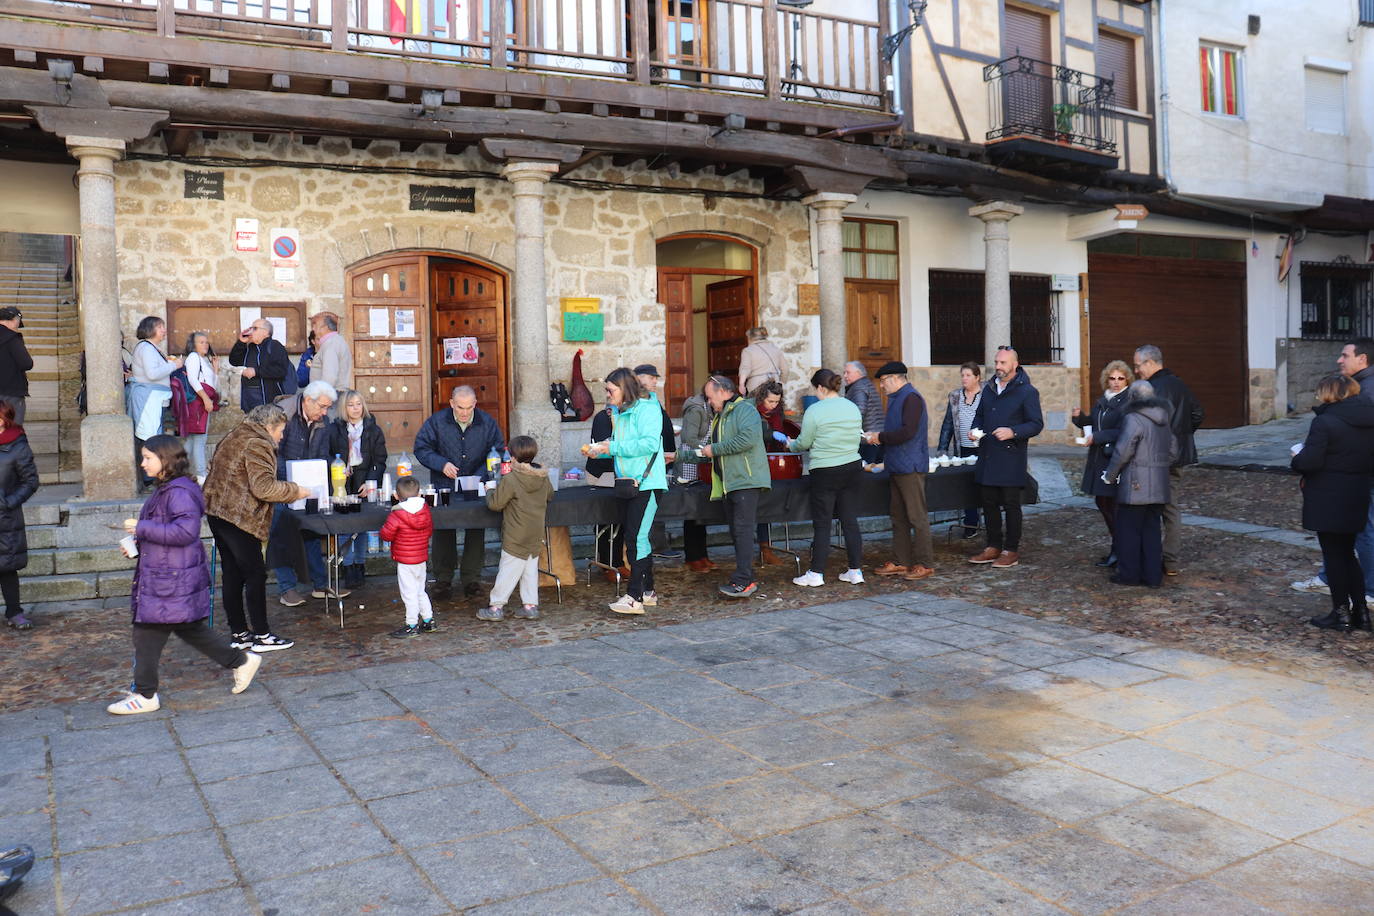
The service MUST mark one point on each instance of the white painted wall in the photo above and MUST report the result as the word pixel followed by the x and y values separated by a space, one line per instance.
pixel 39 198
pixel 1269 155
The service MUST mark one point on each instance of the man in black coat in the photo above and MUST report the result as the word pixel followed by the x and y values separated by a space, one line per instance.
pixel 1185 417
pixel 15 362
pixel 455 443
pixel 1009 417
pixel 265 365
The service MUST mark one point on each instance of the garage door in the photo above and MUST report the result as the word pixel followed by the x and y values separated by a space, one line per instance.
pixel 1186 296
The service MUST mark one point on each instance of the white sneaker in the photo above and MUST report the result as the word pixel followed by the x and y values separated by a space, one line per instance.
pixel 133 704
pixel 810 579
pixel 243 674
pixel 1314 584
pixel 852 576
pixel 627 605
pixel 651 599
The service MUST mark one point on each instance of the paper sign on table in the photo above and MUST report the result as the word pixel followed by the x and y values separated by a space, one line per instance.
pixel 405 354
pixel 311 473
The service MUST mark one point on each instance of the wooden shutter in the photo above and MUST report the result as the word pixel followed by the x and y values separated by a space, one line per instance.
pixel 1026 34
pixel 1325 100
pixel 1116 61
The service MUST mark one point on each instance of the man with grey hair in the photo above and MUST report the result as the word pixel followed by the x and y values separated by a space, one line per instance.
pixel 761 361
pixel 1185 417
pixel 453 443
pixel 265 365
pixel 305 436
pixel 333 360
pixel 859 388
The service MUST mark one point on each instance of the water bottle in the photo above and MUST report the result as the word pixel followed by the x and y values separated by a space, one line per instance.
pixel 493 463
pixel 338 475
pixel 505 462
pixel 374 544
pixel 404 466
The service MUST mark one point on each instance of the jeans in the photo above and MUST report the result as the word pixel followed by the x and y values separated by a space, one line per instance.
pixel 353 548
pixel 149 641
pixel 832 494
pixel 195 450
pixel 741 511
pixel 244 577
pixel 314 562
pixel 994 499
pixel 1139 547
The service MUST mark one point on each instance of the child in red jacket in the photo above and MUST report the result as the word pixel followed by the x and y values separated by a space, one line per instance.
pixel 408 527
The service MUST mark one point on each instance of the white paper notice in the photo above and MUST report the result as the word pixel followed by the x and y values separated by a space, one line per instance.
pixel 284 276
pixel 378 322
pixel 278 328
pixel 405 322
pixel 311 473
pixel 405 354
pixel 248 315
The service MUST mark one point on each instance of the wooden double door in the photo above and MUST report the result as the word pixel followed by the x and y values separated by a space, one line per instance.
pixel 731 309
pixel 422 325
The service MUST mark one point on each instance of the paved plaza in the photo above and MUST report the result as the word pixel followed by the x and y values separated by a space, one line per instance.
pixel 908 754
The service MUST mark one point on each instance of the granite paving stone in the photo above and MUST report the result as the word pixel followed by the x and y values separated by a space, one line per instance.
pixel 101 744
pixel 706 655
pixel 616 734
pixel 80 781
pixel 1124 711
pixel 1176 661
pixel 766 804
pixel 441 692
pixel 792 743
pixel 882 724
pixel 1295 880
pixel 125 876
pixel 1104 672
pixel 835 660
pixel 447 813
pixel 966 636
pixel 1030 654
pixel 643 833
pixel 902 648
pixel 958 888
pixel 760 673
pixel 1196 897
pixel 33 828
pixel 227 902
pixel 482 663
pixel 29 723
pixel 523 752
pixel 907 621
pixel 961 757
pixel 853 852
pixel 372 736
pixel 677 685
pixel 604 898
pixel 814 697
pixel 692 765
pixel 37 896
pixel 1337 776
pixel 943 818
pixel 23 790
pixel 583 703
pixel 966 666
pixel 738 880
pixel 399 772
pixel 1062 792
pixel 240 800
pixel 719 713
pixel 496 717
pixel 577 788
pixel 397 673
pixel 476 871
pixel 1146 765
pixel 858 608
pixel 1186 838
pixel 520 682
pixel 1351 839
pixel 783 643
pixel 1225 742
pixel 1273 807
pixel 332 836
pixel 1357 742
pixel 251 755
pixel 387 886
pixel 305 684
pixel 844 632
pixel 615 668
pixel 871 778
pixel 229 725
pixel 130 816
pixel 336 708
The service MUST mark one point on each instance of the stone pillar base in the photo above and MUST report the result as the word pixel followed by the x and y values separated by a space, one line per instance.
pixel 543 426
pixel 107 456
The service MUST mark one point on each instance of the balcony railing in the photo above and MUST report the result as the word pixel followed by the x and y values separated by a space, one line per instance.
pixel 1032 99
pixel 750 47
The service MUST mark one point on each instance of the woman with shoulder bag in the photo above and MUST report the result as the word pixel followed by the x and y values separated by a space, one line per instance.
pixel 1105 421
pixel 171 588
pixel 193 409
pixel 149 389
pixel 636 444
pixel 1336 461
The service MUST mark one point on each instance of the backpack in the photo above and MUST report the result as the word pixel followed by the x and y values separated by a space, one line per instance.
pixel 288 384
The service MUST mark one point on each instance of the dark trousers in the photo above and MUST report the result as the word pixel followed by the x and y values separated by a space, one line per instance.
pixel 1107 506
pixel 9 590
pixel 741 513
pixel 995 500
pixel 832 495
pixel 443 554
pixel 244 577
pixel 632 512
pixel 1139 545
pixel 149 640
pixel 911 544
pixel 610 546
pixel 693 541
pixel 1343 571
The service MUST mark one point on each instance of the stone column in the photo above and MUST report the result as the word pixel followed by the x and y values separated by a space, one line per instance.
pixel 829 209
pixel 532 415
pixel 995 215
pixel 107 434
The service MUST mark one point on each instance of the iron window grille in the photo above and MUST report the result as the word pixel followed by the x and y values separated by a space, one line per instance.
pixel 1336 300
pixel 957 318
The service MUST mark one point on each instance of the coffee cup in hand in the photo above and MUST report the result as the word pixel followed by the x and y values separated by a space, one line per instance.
pixel 975 434
pixel 1295 448
pixel 129 544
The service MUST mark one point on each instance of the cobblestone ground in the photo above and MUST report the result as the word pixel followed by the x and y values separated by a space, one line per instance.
pixel 1030 741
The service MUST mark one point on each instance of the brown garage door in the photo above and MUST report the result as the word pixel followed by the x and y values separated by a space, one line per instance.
pixel 1186 296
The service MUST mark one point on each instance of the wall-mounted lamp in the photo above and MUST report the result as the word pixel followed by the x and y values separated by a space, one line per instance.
pixel 62 72
pixel 893 42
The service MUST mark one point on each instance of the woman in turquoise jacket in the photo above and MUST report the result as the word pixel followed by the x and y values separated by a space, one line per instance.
pixel 636 444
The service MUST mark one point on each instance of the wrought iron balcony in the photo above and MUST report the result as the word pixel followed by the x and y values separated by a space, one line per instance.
pixel 1051 112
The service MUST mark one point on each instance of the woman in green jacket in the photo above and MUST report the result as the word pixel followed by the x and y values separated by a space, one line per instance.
pixel 740 468
pixel 636 444
pixel 831 430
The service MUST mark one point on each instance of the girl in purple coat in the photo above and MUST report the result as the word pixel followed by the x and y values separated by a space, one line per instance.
pixel 171 589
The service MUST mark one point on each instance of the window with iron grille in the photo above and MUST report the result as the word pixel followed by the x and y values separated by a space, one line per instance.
pixel 1336 303
pixel 956 318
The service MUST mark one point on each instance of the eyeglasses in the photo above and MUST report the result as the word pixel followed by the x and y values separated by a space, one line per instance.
pixel 1004 347
pixel 1116 378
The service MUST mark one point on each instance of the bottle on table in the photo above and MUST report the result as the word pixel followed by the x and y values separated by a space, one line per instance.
pixel 404 466
pixel 505 462
pixel 493 463
pixel 338 476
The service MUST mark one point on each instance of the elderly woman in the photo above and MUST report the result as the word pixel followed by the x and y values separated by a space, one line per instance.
pixel 1139 466
pixel 696 432
pixel 240 493
pixel 636 445
pixel 831 429
pixel 18 481
pixel 1105 420
pixel 961 406
pixel 149 391
pixel 356 437
pixel 193 416
pixel 1336 461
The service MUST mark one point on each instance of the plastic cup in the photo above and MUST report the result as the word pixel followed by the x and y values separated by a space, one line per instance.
pixel 130 545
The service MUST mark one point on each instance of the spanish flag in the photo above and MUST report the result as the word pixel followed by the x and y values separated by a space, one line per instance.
pixel 1286 259
pixel 404 16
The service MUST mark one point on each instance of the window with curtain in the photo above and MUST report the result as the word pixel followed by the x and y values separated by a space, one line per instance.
pixel 870 250
pixel 1223 80
pixel 1116 61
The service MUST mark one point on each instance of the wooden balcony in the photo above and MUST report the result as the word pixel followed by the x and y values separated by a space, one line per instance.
pixel 752 57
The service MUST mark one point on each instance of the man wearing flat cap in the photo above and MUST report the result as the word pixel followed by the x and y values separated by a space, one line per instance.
pixel 647 376
pixel 906 455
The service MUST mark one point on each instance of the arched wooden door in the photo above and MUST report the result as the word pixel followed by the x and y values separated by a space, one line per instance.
pixel 388 303
pixel 470 345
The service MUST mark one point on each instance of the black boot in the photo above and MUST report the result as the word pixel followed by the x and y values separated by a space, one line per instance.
pixel 1336 620
pixel 1107 562
pixel 1359 619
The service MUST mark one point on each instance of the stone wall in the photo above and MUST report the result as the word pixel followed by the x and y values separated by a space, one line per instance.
pixel 1308 362
pixel 1058 387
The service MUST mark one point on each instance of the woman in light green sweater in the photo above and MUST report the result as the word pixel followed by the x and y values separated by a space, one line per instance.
pixel 831 431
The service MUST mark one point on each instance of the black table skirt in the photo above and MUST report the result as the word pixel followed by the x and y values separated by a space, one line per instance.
pixel 946 489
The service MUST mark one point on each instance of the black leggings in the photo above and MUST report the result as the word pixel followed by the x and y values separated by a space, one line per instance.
pixel 1343 571
pixel 9 590
pixel 833 492
pixel 150 640
pixel 1107 506
pixel 637 515
pixel 244 577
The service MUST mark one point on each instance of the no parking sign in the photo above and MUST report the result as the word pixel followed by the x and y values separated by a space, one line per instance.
pixel 286 248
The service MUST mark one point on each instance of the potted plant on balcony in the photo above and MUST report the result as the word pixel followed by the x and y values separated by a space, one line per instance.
pixel 1064 113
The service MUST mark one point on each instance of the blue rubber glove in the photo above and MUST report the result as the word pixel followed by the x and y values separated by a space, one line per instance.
pixel 780 437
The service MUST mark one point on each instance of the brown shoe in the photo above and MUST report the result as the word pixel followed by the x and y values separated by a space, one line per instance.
pixel 1006 559
pixel 610 576
pixel 919 572
pixel 988 555
pixel 768 556
pixel 700 566
pixel 891 569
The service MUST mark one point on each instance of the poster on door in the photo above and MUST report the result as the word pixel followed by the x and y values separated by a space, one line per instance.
pixel 460 351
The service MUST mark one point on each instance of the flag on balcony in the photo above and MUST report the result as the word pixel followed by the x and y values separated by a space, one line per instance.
pixel 404 17
pixel 1286 259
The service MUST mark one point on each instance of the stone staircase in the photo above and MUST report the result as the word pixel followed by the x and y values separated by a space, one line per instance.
pixel 74 553
pixel 34 277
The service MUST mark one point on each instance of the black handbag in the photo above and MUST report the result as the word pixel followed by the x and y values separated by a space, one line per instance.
pixel 628 487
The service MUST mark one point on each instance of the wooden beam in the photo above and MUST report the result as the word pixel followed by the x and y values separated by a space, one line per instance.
pixel 94 65
pixel 159 72
pixel 19 87
pixel 338 87
pixel 281 82
pixel 395 92
pixel 177 141
pixel 497 150
pixel 578 162
pixel 777 182
pixel 117 124
pixel 219 77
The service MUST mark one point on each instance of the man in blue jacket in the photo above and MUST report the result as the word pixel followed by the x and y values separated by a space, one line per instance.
pixel 454 443
pixel 1008 416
